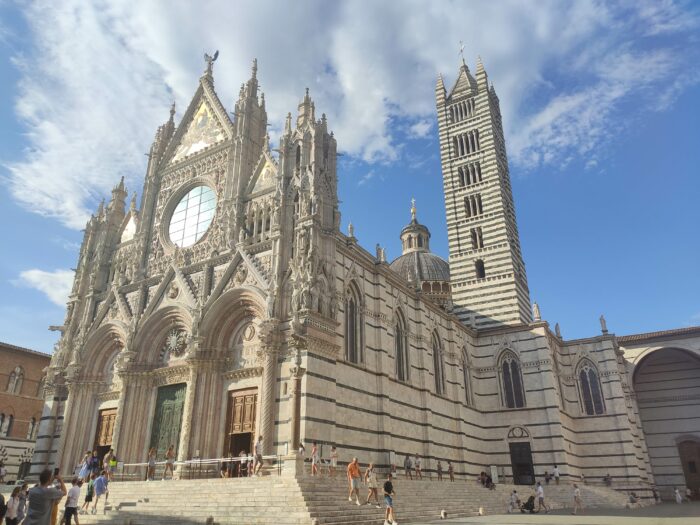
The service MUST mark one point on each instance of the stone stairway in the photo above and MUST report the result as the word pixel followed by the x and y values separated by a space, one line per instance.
pixel 286 500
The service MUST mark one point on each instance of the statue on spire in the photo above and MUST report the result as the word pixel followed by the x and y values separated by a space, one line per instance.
pixel 210 61
pixel 413 209
pixel 461 51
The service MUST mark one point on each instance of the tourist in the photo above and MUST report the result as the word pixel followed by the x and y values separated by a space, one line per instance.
pixel 417 463
pixel 113 462
pixel 578 503
pixel 408 466
pixel 249 467
pixel 677 494
pixel 72 502
pixel 390 516
pixel 546 477
pixel 12 507
pixel 607 479
pixel 555 473
pixel 100 487
pixel 302 449
pixel 105 463
pixel 239 469
pixel 95 463
pixel 42 499
pixel 540 499
pixel 169 462
pixel 258 456
pixel 315 459
pixel 151 460
pixel 334 461
pixel 354 480
pixel 529 505
pixel 451 470
pixel 514 503
pixel 22 508
pixel 89 493
pixel 634 499
pixel 84 473
pixel 372 485
pixel 583 479
pixel 655 494
pixel 688 494
pixel 439 470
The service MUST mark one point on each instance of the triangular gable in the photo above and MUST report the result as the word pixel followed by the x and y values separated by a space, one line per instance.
pixel 463 84
pixel 265 175
pixel 204 124
pixel 128 228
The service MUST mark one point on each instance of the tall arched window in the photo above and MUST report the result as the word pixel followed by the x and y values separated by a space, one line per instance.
pixel 30 429
pixel 591 393
pixel 512 381
pixel 479 269
pixel 353 327
pixel 403 366
pixel 14 384
pixel 465 375
pixel 438 365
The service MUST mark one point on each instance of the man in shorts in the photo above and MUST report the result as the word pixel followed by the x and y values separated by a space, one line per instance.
pixel 258 456
pixel 408 466
pixel 556 474
pixel 72 501
pixel 578 504
pixel 540 499
pixel 417 463
pixel 354 477
pixel 389 517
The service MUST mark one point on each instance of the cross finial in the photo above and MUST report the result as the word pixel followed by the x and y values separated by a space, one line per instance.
pixel 413 209
pixel 461 50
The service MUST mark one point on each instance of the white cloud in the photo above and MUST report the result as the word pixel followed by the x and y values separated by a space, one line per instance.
pixel 56 285
pixel 99 77
pixel 420 129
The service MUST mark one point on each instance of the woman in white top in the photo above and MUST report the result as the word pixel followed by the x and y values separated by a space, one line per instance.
pixel 372 485
pixel 315 460
pixel 12 507
pixel 578 504
pixel 677 493
pixel 334 461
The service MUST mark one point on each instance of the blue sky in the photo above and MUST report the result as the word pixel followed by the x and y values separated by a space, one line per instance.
pixel 600 104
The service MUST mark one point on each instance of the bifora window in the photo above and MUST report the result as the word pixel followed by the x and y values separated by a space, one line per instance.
pixel 192 216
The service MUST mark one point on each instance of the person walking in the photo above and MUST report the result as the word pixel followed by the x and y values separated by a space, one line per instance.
pixel 151 460
pixel 578 504
pixel 372 485
pixel 89 494
pixel 95 463
pixel 390 516
pixel 12 507
pixel 334 461
pixel 417 463
pixel 22 507
pixel 42 499
pixel 540 498
pixel 677 495
pixel 72 502
pixel 514 502
pixel 556 474
pixel 408 466
pixel 451 470
pixel 84 473
pixel 315 459
pixel 106 461
pixel 258 456
pixel 113 462
pixel 101 484
pixel 354 480
pixel 169 462
pixel 439 470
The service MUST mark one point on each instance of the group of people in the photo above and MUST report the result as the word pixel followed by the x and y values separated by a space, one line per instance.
pixel 355 477
pixel 515 504
pixel 246 465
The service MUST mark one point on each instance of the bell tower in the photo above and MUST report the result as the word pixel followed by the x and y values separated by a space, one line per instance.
pixel 489 284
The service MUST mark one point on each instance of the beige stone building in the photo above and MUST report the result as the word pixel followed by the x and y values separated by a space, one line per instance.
pixel 229 304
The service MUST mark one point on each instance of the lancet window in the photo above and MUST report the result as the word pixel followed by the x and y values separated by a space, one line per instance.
pixel 589 386
pixel 513 395
pixel 438 365
pixel 401 346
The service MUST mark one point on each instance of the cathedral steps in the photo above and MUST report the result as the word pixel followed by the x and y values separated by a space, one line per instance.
pixel 281 500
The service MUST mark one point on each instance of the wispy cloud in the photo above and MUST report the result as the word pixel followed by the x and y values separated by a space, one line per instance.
pixel 98 78
pixel 55 285
pixel 366 178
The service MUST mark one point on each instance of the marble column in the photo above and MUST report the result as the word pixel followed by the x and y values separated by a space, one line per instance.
pixel 297 372
pixel 267 420
pixel 187 413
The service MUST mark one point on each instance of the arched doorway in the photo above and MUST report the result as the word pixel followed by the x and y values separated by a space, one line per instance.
pixel 666 382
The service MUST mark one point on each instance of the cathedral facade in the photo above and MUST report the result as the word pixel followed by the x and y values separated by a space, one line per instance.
pixel 228 305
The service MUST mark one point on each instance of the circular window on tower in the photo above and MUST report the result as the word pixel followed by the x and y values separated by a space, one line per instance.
pixel 192 216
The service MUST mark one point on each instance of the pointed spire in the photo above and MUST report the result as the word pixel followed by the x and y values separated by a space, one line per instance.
pixel 288 124
pixel 306 110
pixel 172 111
pixel 132 206
pixel 482 80
pixel 254 72
pixel 101 210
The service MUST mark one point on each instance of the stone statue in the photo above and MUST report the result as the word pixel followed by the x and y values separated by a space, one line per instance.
pixel 270 301
pixel 536 312
pixel 351 230
pixel 557 330
pixel 603 325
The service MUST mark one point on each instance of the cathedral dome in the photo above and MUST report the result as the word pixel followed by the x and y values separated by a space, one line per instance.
pixel 421 266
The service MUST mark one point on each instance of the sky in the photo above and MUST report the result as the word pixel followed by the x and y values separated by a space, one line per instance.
pixel 600 105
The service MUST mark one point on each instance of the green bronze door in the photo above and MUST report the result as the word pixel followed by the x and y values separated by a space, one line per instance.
pixel 167 420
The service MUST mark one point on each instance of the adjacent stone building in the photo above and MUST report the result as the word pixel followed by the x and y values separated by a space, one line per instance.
pixel 229 304
pixel 21 403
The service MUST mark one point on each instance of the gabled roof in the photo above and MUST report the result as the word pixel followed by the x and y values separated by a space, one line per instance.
pixel 205 122
pixel 648 336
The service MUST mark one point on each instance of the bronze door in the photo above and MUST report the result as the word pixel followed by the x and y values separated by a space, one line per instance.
pixel 521 462
pixel 240 420
pixel 105 430
pixel 167 420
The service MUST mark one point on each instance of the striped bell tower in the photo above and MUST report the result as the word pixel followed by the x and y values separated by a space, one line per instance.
pixel 489 284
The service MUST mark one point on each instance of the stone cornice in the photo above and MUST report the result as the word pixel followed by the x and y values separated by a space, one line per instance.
pixel 243 373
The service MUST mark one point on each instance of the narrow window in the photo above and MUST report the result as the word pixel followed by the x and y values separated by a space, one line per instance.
pixel 478 171
pixel 480 269
pixel 513 395
pixel 462 181
pixel 353 329
pixel 420 241
pixel 476 140
pixel 298 160
pixel 474 239
pixel 479 206
pixel 590 390
pixel 401 343
pixel 465 373
pixel 438 366
pixel 467 207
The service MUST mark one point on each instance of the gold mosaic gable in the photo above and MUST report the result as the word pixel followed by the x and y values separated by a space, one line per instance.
pixel 267 177
pixel 204 130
